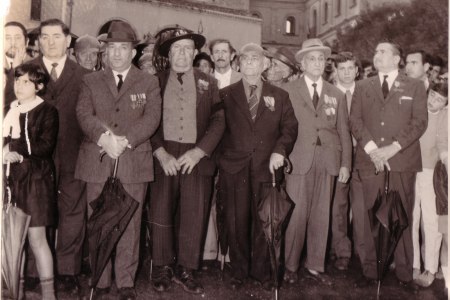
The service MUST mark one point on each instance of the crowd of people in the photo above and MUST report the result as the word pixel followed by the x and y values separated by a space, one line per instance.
pixel 198 134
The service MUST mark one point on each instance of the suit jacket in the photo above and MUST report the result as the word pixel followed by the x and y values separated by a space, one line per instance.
pixel 63 94
pixel 246 142
pixel 333 130
pixel 133 112
pixel 210 121
pixel 401 117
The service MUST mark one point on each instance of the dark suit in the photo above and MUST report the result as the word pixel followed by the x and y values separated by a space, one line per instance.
pixel 311 182
pixel 63 94
pixel 185 194
pixel 244 157
pixel 133 112
pixel 401 117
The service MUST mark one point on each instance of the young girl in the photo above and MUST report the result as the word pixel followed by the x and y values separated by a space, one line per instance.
pixel 30 129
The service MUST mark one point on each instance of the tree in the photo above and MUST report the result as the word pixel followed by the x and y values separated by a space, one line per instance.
pixel 418 25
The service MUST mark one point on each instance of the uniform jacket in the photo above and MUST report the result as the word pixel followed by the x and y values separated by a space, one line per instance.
pixel 401 117
pixel 333 130
pixel 63 95
pixel 244 141
pixel 134 112
pixel 210 121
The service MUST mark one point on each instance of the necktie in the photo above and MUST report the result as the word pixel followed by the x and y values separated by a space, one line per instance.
pixel 119 84
pixel 315 98
pixel 348 97
pixel 53 73
pixel 385 87
pixel 253 102
pixel 179 75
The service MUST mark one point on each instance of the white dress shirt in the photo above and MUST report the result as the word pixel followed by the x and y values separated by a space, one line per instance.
pixel 224 79
pixel 59 68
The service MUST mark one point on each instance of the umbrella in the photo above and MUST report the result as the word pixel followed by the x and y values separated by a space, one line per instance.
pixel 388 220
pixel 222 233
pixel 274 211
pixel 14 233
pixel 112 211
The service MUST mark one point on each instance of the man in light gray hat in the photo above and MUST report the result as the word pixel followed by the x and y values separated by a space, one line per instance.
pixel 86 51
pixel 322 151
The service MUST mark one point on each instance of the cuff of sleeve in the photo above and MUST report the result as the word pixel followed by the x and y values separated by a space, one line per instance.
pixel 104 133
pixel 370 146
pixel 396 143
pixel 158 151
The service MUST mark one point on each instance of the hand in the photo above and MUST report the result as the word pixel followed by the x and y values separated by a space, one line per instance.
pixel 385 153
pixel 113 145
pixel 18 57
pixel 276 161
pixel 190 159
pixel 378 163
pixel 344 175
pixel 12 157
pixel 168 163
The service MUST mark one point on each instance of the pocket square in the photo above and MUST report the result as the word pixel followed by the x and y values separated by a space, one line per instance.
pixel 406 98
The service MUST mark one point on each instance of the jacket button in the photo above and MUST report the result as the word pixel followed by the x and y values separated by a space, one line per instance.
pixel 115 125
pixel 317 129
pixel 117 109
pixel 382 123
pixel 317 115
pixel 382 139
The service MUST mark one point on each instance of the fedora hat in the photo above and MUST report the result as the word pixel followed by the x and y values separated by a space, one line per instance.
pixel 168 36
pixel 286 56
pixel 120 31
pixel 312 45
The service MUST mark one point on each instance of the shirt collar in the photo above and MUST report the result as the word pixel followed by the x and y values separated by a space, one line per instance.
pixel 344 89
pixel 224 75
pixel 309 83
pixel 123 73
pixel 48 64
pixel 392 75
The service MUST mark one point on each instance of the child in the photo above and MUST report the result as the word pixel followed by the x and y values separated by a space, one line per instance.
pixel 425 198
pixel 30 129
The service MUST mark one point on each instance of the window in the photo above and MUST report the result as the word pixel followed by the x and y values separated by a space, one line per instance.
pixel 338 7
pixel 325 13
pixel 290 25
pixel 313 29
pixel 35 13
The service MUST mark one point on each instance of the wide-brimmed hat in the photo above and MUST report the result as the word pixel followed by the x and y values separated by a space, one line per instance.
pixel 168 36
pixel 312 45
pixel 86 42
pixel 120 31
pixel 284 55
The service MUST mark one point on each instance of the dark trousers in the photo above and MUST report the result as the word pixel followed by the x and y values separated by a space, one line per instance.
pixel 71 225
pixel 249 253
pixel 178 213
pixel 404 183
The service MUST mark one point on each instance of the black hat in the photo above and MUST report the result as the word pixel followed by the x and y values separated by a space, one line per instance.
pixel 285 55
pixel 170 35
pixel 120 31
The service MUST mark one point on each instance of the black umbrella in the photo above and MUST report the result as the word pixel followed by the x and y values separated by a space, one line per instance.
pixel 274 211
pixel 112 211
pixel 388 220
pixel 222 233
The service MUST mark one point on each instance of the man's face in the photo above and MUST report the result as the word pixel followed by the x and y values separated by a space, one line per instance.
pixel 120 55
pixel 367 71
pixel 314 64
pixel 204 66
pixel 181 55
pixel 14 41
pixel 251 63
pixel 278 71
pixel 414 66
pixel 436 101
pixel 434 73
pixel 346 72
pixel 53 42
pixel 384 59
pixel 87 58
pixel 221 55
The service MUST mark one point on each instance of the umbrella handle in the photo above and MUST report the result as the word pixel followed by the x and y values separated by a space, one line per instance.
pixel 386 180
pixel 116 165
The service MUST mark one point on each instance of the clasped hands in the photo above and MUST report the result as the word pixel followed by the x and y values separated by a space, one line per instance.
pixel 113 145
pixel 11 156
pixel 380 157
pixel 185 163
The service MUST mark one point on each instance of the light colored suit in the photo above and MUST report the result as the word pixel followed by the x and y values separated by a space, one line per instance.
pixel 311 183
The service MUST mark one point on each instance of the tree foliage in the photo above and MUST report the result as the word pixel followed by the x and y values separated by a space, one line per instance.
pixel 418 25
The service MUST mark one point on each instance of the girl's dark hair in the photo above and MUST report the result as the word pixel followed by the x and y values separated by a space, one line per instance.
pixel 36 74
pixel 441 88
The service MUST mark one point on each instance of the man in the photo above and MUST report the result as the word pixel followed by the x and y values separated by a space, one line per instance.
pixel 346 72
pixel 367 69
pixel 190 130
pixel 119 109
pixel 62 92
pixel 388 115
pixel 322 152
pixel 222 53
pixel 86 51
pixel 261 130
pixel 436 66
pixel 417 66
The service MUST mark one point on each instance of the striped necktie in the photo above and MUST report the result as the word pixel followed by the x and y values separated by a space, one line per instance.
pixel 253 102
pixel 53 73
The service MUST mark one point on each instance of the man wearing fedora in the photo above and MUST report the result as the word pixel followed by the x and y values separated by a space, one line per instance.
pixel 191 127
pixel 322 151
pixel 282 68
pixel 119 108
pixel 261 129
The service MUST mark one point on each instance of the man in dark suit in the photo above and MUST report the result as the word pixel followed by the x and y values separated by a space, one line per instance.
pixel 388 115
pixel 62 92
pixel 118 110
pixel 260 133
pixel 190 130
pixel 323 150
